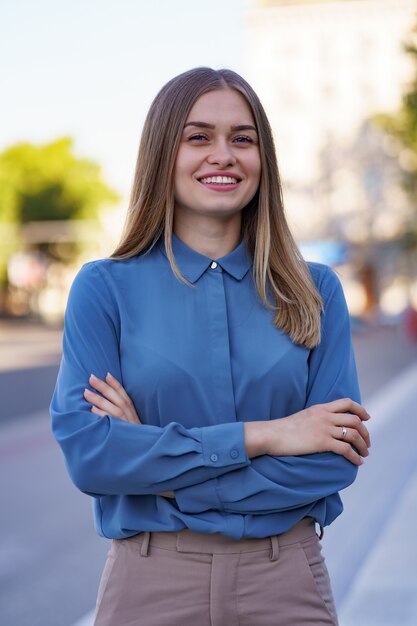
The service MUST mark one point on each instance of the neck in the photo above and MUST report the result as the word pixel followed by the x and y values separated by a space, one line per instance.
pixel 212 238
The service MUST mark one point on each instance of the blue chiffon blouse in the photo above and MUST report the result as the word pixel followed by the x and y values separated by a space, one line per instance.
pixel 197 362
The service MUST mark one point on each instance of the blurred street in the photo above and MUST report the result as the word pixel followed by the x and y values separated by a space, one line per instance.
pixel 346 138
pixel 52 559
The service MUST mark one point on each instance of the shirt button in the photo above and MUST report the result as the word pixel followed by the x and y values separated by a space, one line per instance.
pixel 213 265
pixel 214 458
pixel 234 454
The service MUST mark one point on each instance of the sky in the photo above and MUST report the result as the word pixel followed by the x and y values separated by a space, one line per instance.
pixel 90 68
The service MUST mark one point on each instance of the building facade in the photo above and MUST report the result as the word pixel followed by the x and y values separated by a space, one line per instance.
pixel 323 69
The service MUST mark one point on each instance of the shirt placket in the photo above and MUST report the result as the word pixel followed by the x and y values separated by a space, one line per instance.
pixel 223 394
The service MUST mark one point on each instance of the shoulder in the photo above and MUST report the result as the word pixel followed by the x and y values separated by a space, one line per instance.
pixel 326 280
pixel 117 281
pixel 117 271
pixel 107 267
pixel 98 269
pixel 100 280
pixel 94 276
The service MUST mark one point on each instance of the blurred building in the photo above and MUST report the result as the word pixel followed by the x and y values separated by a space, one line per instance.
pixel 323 69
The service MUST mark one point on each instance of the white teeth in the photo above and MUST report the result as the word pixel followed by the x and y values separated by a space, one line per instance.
pixel 219 179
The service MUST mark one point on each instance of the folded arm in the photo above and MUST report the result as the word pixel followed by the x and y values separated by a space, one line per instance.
pixel 105 455
pixel 304 457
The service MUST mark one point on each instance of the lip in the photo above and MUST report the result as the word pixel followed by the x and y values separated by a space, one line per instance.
pixel 221 187
pixel 220 173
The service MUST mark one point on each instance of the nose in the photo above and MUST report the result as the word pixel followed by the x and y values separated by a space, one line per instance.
pixel 221 154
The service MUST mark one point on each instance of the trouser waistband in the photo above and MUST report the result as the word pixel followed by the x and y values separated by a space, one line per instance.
pixel 189 541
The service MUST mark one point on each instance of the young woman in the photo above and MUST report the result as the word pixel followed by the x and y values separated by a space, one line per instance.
pixel 222 415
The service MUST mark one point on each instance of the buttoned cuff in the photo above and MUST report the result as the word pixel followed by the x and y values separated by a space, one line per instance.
pixel 223 445
pixel 224 450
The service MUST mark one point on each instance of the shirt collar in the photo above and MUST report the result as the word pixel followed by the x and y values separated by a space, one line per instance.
pixel 192 264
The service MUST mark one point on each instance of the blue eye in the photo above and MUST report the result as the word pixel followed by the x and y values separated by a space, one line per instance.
pixel 198 137
pixel 243 139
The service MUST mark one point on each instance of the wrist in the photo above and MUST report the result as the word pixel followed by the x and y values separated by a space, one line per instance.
pixel 255 438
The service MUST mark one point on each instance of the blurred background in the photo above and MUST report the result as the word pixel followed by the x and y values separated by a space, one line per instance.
pixel 339 82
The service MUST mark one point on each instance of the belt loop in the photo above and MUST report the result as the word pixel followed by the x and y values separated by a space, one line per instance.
pixel 144 549
pixel 274 548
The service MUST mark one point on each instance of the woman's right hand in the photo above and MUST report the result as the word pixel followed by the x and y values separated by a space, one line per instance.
pixel 331 427
pixel 112 399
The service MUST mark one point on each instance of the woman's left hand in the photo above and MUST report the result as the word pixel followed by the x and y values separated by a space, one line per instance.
pixel 112 399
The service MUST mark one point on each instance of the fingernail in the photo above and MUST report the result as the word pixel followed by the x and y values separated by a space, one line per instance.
pixel 93 377
pixel 108 374
pixel 87 390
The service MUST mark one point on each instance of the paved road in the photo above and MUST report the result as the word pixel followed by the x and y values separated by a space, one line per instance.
pixel 51 557
pixel 29 358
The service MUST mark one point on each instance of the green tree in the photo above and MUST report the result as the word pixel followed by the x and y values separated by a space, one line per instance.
pixel 48 182
pixel 401 127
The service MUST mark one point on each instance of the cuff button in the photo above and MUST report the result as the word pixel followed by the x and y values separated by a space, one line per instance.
pixel 214 458
pixel 234 453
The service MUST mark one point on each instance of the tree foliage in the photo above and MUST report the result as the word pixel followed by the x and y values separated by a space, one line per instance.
pixel 48 182
pixel 402 125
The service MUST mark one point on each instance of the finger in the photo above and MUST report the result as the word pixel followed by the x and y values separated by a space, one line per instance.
pixel 128 406
pixel 114 392
pixel 122 401
pixel 106 390
pixel 117 386
pixel 166 494
pixel 345 449
pixel 353 421
pixel 97 411
pixel 352 437
pixel 102 403
pixel 345 405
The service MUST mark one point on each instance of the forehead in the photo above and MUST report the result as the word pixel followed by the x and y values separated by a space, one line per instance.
pixel 221 105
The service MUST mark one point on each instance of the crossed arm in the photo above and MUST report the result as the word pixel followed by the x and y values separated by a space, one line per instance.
pixel 290 462
pixel 319 428
pixel 330 427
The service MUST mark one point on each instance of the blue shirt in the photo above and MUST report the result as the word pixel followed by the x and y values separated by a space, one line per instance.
pixel 197 362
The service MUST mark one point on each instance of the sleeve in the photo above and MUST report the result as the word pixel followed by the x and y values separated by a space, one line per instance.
pixel 274 484
pixel 105 455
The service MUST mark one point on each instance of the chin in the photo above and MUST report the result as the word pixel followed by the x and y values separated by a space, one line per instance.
pixel 221 213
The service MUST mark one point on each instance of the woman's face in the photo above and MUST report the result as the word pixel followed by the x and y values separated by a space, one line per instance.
pixel 218 165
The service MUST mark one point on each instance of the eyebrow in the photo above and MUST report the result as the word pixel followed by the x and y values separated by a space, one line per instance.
pixel 211 126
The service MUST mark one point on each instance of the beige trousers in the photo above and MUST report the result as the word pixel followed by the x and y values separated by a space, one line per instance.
pixel 191 579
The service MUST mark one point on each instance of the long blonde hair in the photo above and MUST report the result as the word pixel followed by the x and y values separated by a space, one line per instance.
pixel 281 275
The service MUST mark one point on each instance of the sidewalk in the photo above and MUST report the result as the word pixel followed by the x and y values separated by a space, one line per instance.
pixel 385 591
pixel 371 550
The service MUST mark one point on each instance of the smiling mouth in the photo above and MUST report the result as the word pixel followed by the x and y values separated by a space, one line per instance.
pixel 219 180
